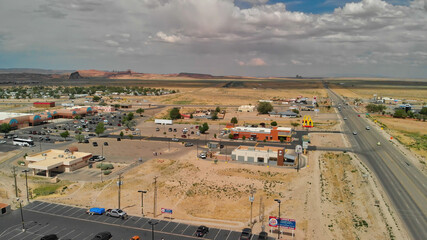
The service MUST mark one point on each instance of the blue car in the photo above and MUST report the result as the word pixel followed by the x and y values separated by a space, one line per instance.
pixel 96 211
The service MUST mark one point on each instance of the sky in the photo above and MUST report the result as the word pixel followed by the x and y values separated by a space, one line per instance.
pixel 380 38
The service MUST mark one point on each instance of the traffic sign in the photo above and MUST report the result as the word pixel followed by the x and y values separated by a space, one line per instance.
pixel 305 145
pixel 165 210
pixel 298 149
pixel 251 199
pixel 119 183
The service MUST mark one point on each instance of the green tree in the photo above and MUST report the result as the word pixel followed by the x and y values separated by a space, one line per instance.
pixel 96 98
pixel 203 128
pixel 373 108
pixel 100 128
pixel 234 120
pixel 139 111
pixel 130 136
pixel 116 106
pixel 264 107
pixel 174 114
pixel 243 138
pixel 78 117
pixel 79 137
pixel 230 136
pixel 65 135
pixel 423 111
pixel 129 123
pixel 121 134
pixel 5 128
pixel 191 116
pixel 217 109
pixel 274 123
pixel 215 116
pixel 400 113
pixel 295 111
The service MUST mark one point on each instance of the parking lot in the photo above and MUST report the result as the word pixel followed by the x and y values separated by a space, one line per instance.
pixel 42 218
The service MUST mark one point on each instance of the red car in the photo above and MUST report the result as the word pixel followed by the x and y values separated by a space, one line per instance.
pixel 358 115
pixel 184 136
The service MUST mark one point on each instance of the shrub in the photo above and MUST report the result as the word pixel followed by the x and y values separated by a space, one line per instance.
pixel 107 172
pixel 47 189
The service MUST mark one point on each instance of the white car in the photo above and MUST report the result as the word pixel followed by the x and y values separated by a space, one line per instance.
pixel 2 141
pixel 368 128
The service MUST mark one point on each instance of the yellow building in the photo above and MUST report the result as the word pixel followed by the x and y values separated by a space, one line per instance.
pixel 54 160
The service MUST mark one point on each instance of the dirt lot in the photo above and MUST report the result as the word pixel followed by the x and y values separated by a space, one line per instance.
pixel 409 132
pixel 333 140
pixel 322 197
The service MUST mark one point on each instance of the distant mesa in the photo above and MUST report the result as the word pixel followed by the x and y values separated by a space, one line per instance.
pixel 75 75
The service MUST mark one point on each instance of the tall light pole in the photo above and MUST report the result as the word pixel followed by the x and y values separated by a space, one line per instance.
pixel 251 199
pixel 119 183
pixel 26 182
pixel 142 201
pixel 22 214
pixel 278 220
pixel 152 223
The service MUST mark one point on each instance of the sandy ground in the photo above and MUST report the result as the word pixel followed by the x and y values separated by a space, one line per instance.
pixel 333 140
pixel 328 199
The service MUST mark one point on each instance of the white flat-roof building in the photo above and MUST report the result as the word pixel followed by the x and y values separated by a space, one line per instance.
pixel 66 160
pixel 267 155
pixel 246 108
pixel 6 115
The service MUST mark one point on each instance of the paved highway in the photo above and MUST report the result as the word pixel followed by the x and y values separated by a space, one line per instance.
pixel 404 184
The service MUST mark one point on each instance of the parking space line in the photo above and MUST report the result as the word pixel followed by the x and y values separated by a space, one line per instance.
pixel 52 208
pixel 68 209
pixel 117 220
pixel 33 205
pixel 126 220
pixel 48 204
pixel 46 225
pixel 76 237
pixel 217 234
pixel 175 227
pixel 38 205
pixel 49 230
pixel 230 233
pixel 14 232
pixel 185 229
pixel 161 230
pixel 68 233
pixel 61 209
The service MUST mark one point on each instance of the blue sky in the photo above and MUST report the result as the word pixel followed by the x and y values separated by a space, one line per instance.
pixel 220 37
pixel 314 6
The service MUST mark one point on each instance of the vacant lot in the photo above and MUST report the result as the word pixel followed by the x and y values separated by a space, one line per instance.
pixel 411 133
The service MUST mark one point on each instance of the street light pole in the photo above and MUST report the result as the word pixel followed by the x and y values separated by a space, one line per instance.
pixel 142 201
pixel 26 182
pixel 152 228
pixel 278 220
pixel 22 214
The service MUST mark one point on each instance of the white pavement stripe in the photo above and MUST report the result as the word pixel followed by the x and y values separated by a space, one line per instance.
pixel 175 227
pixel 64 236
pixel 161 230
pixel 217 234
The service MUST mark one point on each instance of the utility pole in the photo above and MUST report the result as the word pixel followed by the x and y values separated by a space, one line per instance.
pixel 14 176
pixel 261 213
pixel 278 220
pixel 155 196
pixel 119 183
pixel 142 201
pixel 251 199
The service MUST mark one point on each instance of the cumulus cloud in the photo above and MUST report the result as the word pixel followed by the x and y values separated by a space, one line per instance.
pixel 253 62
pixel 167 38
pixel 387 34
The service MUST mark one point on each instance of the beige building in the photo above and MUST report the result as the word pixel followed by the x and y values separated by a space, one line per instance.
pixel 246 108
pixel 54 160
pixel 268 155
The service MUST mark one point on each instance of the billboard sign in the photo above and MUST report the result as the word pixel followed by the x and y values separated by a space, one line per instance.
pixel 284 222
pixel 288 223
pixel 272 221
pixel 165 210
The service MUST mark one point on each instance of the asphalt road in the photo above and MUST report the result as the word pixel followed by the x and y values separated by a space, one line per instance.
pixel 404 184
pixel 67 222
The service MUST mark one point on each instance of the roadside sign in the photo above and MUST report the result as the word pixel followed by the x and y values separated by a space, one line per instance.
pixel 298 149
pixel 287 223
pixel 165 210
pixel 251 199
pixel 304 145
pixel 119 183
pixel 272 221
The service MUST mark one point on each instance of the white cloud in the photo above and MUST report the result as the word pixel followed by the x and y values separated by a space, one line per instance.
pixel 215 32
pixel 252 62
pixel 167 38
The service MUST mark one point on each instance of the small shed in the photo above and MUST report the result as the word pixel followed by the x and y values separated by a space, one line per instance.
pixel 4 209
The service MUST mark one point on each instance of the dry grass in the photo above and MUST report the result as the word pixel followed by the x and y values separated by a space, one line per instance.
pixel 350 203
